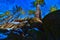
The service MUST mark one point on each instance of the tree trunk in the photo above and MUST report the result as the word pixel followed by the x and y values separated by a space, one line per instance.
pixel 38 12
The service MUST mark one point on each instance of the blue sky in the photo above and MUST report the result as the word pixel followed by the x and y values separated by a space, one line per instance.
pixel 26 5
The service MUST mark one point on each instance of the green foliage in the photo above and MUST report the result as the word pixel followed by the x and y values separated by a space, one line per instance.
pixel 7 13
pixel 2 15
pixel 34 3
pixel 22 12
pixel 38 2
pixel 31 12
pixel 19 9
pixel 53 8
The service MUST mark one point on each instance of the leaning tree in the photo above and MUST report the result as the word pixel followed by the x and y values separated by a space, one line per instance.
pixel 37 12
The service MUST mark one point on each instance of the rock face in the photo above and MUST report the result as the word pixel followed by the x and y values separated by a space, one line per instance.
pixel 51 25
